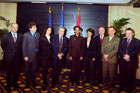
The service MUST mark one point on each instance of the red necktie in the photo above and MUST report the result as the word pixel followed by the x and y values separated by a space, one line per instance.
pixel 128 42
pixel 14 37
pixel 101 39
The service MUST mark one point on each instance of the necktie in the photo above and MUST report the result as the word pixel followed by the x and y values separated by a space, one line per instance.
pixel 60 45
pixel 128 42
pixel 36 42
pixel 14 37
pixel 101 39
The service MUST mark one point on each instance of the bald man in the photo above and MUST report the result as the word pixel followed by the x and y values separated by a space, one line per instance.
pixel 12 47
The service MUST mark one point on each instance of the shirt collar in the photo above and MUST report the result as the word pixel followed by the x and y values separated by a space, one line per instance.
pixel 102 36
pixel 32 33
pixel 130 39
pixel 48 36
pixel 14 33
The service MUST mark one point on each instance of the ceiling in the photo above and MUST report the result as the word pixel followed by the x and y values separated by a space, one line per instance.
pixel 75 1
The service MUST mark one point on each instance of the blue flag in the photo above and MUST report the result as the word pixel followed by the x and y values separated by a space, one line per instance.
pixel 62 20
pixel 50 17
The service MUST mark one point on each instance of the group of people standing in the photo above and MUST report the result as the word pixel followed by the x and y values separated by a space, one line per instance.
pixel 98 55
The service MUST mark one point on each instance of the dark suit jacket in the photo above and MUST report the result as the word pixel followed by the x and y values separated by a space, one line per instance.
pixel 45 48
pixel 90 52
pixel 12 50
pixel 76 46
pixel 98 47
pixel 133 50
pixel 55 45
pixel 28 45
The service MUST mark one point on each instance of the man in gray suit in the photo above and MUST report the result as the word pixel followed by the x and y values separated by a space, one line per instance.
pixel 30 52
pixel 109 51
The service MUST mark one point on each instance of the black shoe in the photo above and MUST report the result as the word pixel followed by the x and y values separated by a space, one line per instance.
pixel 93 83
pixel 34 84
pixel 52 86
pixel 121 89
pixel 87 81
pixel 16 86
pixel 77 83
pixel 129 90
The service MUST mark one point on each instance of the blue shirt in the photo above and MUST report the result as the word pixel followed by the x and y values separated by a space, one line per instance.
pixel 13 34
pixel 33 33
pixel 130 39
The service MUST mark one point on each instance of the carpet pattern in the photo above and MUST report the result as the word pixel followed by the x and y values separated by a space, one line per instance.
pixel 64 85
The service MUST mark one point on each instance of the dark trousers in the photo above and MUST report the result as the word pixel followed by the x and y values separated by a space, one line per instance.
pixel 12 72
pixel 89 67
pixel 109 72
pixel 45 64
pixel 30 70
pixel 127 75
pixel 75 69
pixel 57 68
pixel 98 70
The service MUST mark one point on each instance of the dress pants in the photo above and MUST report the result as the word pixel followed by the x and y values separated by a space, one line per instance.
pixel 98 70
pixel 75 69
pixel 109 72
pixel 127 75
pixel 12 72
pixel 57 68
pixel 45 64
pixel 30 70
pixel 89 67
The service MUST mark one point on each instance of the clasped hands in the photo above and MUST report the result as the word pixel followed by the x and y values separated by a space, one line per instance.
pixel 105 57
pixel 126 57
pixel 60 55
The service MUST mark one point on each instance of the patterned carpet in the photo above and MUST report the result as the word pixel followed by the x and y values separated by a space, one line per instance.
pixel 64 86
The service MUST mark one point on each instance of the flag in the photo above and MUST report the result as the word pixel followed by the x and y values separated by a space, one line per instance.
pixel 61 19
pixel 78 19
pixel 50 17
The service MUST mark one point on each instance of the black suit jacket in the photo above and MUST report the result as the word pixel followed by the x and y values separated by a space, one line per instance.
pixel 133 50
pixel 12 50
pixel 55 46
pixel 89 52
pixel 98 47
pixel 45 47
pixel 76 46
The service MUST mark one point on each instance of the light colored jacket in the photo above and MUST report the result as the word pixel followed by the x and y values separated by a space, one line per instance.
pixel 110 48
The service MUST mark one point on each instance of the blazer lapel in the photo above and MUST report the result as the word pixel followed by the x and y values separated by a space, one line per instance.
pixel 113 38
pixel 46 39
pixel 17 37
pixel 63 42
pixel 57 38
pixel 11 37
pixel 131 43
pixel 31 35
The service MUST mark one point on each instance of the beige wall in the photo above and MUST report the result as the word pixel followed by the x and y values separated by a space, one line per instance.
pixel 117 12
pixel 9 11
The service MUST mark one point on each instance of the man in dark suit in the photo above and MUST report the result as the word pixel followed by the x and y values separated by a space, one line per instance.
pixel 59 46
pixel 30 52
pixel 128 50
pixel 98 62
pixel 76 47
pixel 12 47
